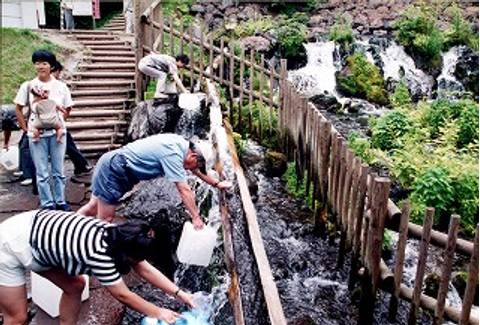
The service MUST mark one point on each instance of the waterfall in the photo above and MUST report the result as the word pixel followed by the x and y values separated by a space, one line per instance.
pixel 398 65
pixel 318 75
pixel 446 81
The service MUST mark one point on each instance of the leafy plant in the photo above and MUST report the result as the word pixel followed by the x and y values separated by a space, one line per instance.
pixel 254 26
pixel 417 30
pixel 342 32
pixel 362 79
pixel 361 147
pixel 401 95
pixel 291 35
pixel 388 240
pixel 388 130
pixel 460 32
pixel 295 186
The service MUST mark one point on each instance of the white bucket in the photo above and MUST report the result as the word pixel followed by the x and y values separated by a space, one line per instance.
pixel 9 159
pixel 47 296
pixel 196 246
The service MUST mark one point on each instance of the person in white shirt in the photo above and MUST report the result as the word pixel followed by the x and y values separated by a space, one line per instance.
pixel 160 66
pixel 47 154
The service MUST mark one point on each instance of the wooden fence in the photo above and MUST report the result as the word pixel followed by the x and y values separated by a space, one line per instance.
pixel 341 184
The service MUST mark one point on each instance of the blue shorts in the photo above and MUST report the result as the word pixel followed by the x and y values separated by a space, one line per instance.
pixel 112 178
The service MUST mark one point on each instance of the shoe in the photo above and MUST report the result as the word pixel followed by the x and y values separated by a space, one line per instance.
pixel 26 182
pixel 63 207
pixel 18 173
pixel 48 207
pixel 84 171
pixel 160 96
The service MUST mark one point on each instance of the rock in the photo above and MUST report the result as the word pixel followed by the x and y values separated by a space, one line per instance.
pixel 459 281
pixel 316 20
pixel 232 10
pixel 275 163
pixel 197 9
pixel 466 70
pixel 432 284
pixel 250 11
pixel 326 102
pixel 375 3
pixel 259 43
pixel 363 120
pixel 361 19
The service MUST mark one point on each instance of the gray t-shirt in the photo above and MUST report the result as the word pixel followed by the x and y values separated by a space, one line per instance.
pixel 156 156
pixel 162 62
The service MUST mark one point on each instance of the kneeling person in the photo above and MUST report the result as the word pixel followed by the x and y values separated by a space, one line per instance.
pixel 79 245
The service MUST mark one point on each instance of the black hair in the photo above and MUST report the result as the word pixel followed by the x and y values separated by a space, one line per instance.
pixel 200 158
pixel 44 56
pixel 182 58
pixel 129 241
pixel 57 66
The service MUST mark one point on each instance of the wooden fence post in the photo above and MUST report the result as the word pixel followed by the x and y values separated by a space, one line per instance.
pixel 325 151
pixel 172 38
pixel 192 59
pixel 399 260
pixel 422 261
pixel 240 104
pixel 222 60
pixel 472 284
pixel 139 41
pixel 378 212
pixel 446 269
pixel 250 93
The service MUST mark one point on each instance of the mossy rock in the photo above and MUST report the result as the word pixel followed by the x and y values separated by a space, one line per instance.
pixel 432 284
pixel 275 163
pixel 459 281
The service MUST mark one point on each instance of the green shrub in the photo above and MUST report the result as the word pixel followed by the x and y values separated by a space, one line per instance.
pixel 468 124
pixel 465 201
pixel 254 26
pixel 388 130
pixel 260 118
pixel 342 32
pixel 295 186
pixel 460 32
pixel 363 79
pixel 361 147
pixel 388 241
pixel 401 95
pixel 417 30
pixel 291 35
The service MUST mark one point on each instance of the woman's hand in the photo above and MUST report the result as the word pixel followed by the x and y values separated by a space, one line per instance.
pixel 186 298
pixel 167 315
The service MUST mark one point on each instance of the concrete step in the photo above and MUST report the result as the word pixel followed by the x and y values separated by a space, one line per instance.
pixel 113 48
pixel 86 136
pixel 110 59
pixel 115 28
pixel 107 66
pixel 102 102
pixel 119 113
pixel 104 75
pixel 114 24
pixel 96 124
pixel 84 31
pixel 116 53
pixel 102 84
pixel 92 37
pixel 114 42
pixel 102 93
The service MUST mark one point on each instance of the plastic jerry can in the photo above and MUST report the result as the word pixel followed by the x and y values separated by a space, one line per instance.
pixel 46 295
pixel 196 246
pixel 9 159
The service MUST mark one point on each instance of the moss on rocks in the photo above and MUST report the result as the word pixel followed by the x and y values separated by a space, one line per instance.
pixel 275 163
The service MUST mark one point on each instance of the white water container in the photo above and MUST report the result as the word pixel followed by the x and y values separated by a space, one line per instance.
pixel 9 159
pixel 196 246
pixel 47 296
pixel 190 101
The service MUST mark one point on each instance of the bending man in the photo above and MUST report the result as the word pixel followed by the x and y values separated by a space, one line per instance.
pixel 162 155
pixel 100 249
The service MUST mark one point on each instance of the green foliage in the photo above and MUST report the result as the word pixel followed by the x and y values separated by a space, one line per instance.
pixel 297 187
pixel 460 32
pixel 342 32
pixel 172 7
pixel 388 241
pixel 363 79
pixel 291 35
pixel 362 148
pixel 16 53
pixel 401 95
pixel 465 200
pixel 387 131
pixel 240 144
pixel 417 30
pixel 254 26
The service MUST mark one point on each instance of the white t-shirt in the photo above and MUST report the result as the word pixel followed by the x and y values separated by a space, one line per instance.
pixel 57 91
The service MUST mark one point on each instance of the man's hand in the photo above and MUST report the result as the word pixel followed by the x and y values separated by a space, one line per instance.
pixel 224 185
pixel 186 298
pixel 167 315
pixel 198 223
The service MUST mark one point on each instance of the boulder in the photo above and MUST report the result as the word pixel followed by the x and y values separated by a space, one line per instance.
pixel 259 43
pixel 326 102
pixel 466 70
pixel 432 284
pixel 275 163
pixel 459 281
pixel 198 9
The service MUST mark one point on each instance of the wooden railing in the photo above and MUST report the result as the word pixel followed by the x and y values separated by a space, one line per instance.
pixel 341 184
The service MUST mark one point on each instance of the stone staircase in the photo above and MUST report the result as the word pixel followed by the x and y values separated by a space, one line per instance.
pixel 103 89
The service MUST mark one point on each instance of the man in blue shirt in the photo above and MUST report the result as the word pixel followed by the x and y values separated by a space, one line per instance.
pixel 162 155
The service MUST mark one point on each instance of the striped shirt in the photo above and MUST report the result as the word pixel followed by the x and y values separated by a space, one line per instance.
pixel 74 243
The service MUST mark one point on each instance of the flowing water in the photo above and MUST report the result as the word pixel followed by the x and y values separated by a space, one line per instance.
pixel 447 82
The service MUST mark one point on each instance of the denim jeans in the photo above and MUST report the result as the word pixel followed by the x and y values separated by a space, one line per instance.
pixel 79 162
pixel 47 151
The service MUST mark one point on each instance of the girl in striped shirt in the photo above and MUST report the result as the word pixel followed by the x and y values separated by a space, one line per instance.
pixel 61 246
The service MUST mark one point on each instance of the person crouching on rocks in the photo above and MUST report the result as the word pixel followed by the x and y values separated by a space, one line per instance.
pixel 161 66
pixel 79 245
pixel 163 155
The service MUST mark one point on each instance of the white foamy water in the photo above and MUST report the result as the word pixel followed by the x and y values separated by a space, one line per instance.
pixel 318 76
pixel 398 65
pixel 447 80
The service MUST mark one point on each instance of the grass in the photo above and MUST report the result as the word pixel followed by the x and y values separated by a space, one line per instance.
pixel 16 65
pixel 106 19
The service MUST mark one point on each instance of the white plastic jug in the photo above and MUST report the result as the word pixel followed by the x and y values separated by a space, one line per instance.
pixel 9 159
pixel 196 246
pixel 190 101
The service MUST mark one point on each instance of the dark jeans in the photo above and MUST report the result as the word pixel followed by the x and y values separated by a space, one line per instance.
pixel 28 168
